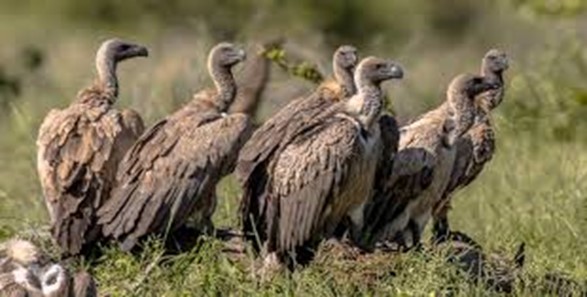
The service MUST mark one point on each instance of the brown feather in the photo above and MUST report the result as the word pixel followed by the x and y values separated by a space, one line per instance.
pixel 171 172
pixel 267 141
pixel 476 147
pixel 78 152
pixel 318 179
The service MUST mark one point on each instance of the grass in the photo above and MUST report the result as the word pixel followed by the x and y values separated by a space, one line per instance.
pixel 534 190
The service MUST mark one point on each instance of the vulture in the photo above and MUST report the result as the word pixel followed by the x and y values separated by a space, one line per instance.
pixel 25 271
pixel 323 173
pixel 275 133
pixel 476 147
pixel 16 279
pixel 253 80
pixel 169 175
pixel 402 201
pixel 79 148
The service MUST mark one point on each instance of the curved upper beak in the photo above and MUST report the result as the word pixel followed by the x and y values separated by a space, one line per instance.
pixel 242 55
pixel 142 51
pixel 505 64
pixel 396 71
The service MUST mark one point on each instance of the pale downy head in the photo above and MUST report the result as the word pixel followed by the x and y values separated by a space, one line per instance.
pixel 377 70
pixel 117 50
pixel 225 55
pixel 109 54
pixel 221 59
pixel 344 61
pixel 461 95
pixel 346 56
pixel 495 61
pixel 367 104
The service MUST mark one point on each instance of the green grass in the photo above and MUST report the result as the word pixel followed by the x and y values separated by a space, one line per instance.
pixel 534 190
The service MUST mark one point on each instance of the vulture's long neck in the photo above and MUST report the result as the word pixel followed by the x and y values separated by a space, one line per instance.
pixel 463 111
pixel 367 104
pixel 107 79
pixel 492 98
pixel 344 76
pixel 486 71
pixel 225 85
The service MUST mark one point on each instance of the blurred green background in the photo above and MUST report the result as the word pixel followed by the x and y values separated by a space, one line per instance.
pixel 535 189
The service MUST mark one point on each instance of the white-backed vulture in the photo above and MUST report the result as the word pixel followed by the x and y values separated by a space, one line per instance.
pixel 171 172
pixel 49 281
pixel 26 271
pixel 252 80
pixel 272 137
pixel 325 172
pixel 79 147
pixel 402 205
pixel 15 278
pixel 476 147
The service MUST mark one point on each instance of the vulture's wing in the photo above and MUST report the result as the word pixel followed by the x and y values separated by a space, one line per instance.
pixel 474 150
pixel 463 161
pixel 273 136
pixel 78 152
pixel 390 141
pixel 276 132
pixel 308 178
pixel 412 173
pixel 133 121
pixel 169 172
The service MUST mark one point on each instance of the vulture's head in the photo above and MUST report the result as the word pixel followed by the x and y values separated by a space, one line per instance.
pixel 495 61
pixel 117 50
pixel 55 281
pixel 225 55
pixel 461 95
pixel 377 70
pixel 469 86
pixel 346 56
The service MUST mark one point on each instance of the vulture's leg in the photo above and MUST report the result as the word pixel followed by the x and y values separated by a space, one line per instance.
pixel 357 221
pixel 416 233
pixel 441 229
